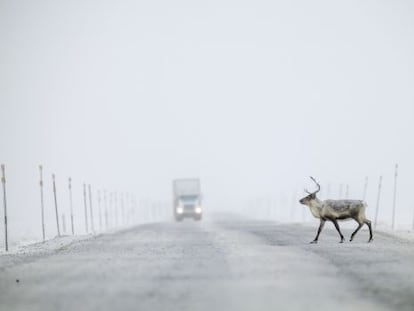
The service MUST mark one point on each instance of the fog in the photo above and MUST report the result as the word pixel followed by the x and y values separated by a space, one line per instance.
pixel 252 97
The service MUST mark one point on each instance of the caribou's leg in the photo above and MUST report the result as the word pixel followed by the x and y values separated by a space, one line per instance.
pixel 322 223
pixel 339 230
pixel 368 222
pixel 355 232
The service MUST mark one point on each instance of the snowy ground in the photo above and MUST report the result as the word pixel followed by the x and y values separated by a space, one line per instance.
pixel 220 264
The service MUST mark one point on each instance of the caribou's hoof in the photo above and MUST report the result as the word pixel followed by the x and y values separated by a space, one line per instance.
pixel 370 240
pixel 350 240
pixel 313 242
pixel 342 241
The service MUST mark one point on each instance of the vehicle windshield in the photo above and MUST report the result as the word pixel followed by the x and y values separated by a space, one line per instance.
pixel 188 198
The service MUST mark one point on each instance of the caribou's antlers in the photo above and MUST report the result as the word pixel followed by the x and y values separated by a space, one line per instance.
pixel 317 184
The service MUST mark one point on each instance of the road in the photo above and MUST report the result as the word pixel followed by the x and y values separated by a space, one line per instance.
pixel 214 265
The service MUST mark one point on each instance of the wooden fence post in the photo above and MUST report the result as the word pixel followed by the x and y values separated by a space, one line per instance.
pixel 128 208
pixel 394 201
pixel 116 208
pixel 122 209
pixel 91 208
pixel 42 204
pixel 378 201
pixel 99 210
pixel 413 221
pixel 85 208
pixel 3 181
pixel 106 210
pixel 110 210
pixel 56 205
pixel 71 206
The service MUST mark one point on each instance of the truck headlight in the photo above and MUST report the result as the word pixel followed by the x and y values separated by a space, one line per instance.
pixel 180 210
pixel 198 210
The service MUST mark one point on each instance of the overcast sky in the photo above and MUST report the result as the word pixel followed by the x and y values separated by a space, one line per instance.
pixel 251 96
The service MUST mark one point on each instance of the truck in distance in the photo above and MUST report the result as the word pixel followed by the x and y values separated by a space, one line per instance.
pixel 187 199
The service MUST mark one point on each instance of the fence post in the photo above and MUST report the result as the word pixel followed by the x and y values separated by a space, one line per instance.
pixel 71 205
pixel 122 209
pixel 42 204
pixel 99 210
pixel 110 210
pixel 128 208
pixel 106 209
pixel 3 181
pixel 134 208
pixel 378 201
pixel 413 221
pixel 85 208
pixel 91 207
pixel 394 201
pixel 116 209
pixel 56 205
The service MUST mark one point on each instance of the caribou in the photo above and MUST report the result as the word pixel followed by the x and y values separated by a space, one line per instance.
pixel 334 210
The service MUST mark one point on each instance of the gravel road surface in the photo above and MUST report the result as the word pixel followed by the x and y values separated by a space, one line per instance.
pixel 213 265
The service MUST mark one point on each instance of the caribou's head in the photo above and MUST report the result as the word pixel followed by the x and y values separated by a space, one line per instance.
pixel 311 195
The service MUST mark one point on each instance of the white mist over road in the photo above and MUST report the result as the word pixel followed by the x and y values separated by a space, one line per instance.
pixel 252 97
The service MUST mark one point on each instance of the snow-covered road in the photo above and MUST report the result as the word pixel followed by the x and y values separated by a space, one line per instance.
pixel 213 265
